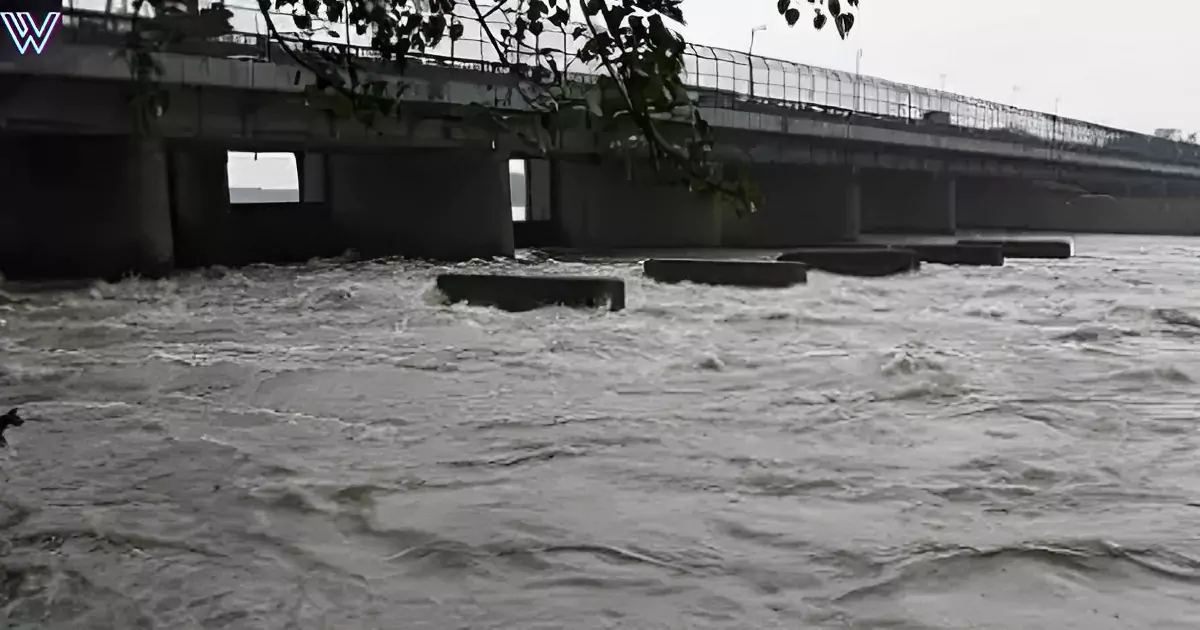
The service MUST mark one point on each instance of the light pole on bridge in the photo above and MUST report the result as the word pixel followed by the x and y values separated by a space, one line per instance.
pixel 750 55
pixel 858 91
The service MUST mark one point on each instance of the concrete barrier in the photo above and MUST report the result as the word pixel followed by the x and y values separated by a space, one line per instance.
pixel 856 261
pixel 1021 248
pixel 939 253
pixel 960 254
pixel 741 273
pixel 526 293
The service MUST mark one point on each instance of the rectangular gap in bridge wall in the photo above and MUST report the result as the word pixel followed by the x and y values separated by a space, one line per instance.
pixel 263 178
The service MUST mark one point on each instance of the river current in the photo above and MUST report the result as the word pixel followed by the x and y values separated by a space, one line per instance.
pixel 328 446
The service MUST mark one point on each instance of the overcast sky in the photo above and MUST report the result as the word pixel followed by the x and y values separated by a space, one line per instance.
pixel 1129 65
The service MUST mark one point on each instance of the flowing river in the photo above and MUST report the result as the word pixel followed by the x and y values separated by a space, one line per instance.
pixel 328 447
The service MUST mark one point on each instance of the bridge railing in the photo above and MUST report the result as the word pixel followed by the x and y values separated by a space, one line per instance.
pixel 747 78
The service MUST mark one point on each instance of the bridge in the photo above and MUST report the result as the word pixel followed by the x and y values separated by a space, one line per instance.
pixel 835 155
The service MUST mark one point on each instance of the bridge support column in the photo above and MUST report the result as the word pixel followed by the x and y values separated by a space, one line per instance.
pixel 803 205
pixel 200 204
pixel 539 190
pixel 83 206
pixel 619 204
pixel 447 204
pixel 909 202
pixel 313 176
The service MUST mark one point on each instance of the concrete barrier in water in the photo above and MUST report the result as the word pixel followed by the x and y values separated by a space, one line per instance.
pixel 1020 248
pixel 742 273
pixel 960 254
pixel 939 253
pixel 526 293
pixel 856 261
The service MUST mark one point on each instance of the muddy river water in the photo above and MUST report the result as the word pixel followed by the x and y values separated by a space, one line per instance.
pixel 328 446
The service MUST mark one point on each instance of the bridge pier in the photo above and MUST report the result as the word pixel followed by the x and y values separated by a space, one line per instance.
pixel 200 206
pixel 617 205
pixel 84 206
pixel 909 202
pixel 312 175
pixel 446 204
pixel 802 205
pixel 992 203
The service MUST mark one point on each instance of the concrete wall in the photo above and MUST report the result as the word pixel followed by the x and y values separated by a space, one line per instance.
pixel 1010 204
pixel 313 176
pixel 896 201
pixel 539 190
pixel 447 204
pixel 802 205
pixel 618 204
pixel 83 206
pixel 199 179
pixel 624 205
pixel 281 233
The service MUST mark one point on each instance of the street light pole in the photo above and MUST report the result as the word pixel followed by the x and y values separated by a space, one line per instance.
pixel 858 91
pixel 750 55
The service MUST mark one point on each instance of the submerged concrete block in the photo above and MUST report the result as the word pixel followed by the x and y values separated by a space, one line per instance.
pixel 526 293
pixel 960 254
pixel 1021 248
pixel 742 273
pixel 939 253
pixel 856 261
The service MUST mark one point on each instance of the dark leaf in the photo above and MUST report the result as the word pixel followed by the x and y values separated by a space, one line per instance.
pixel 844 22
pixel 334 10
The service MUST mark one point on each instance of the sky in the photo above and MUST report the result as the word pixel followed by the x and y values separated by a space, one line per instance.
pixel 1096 60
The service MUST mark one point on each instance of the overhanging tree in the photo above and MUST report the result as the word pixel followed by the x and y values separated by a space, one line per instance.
pixel 631 58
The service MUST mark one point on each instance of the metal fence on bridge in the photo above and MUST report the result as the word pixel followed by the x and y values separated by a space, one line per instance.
pixel 753 78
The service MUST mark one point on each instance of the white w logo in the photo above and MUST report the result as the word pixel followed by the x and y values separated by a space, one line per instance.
pixel 26 32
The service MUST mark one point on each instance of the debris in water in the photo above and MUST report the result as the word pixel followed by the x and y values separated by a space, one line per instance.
pixel 10 419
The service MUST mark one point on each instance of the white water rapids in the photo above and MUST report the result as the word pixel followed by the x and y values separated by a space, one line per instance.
pixel 327 446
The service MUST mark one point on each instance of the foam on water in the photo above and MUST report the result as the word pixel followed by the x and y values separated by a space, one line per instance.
pixel 330 446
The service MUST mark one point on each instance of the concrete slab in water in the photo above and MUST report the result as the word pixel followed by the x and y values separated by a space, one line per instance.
pixel 742 273
pixel 526 293
pixel 855 261
pixel 960 254
pixel 1021 248
pixel 939 253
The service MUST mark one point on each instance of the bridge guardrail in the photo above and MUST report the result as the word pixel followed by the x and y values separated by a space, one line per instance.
pixel 750 78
